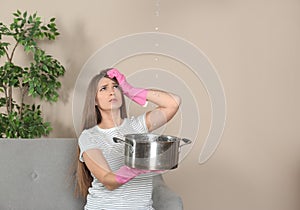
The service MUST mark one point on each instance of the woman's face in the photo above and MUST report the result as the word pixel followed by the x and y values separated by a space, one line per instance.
pixel 108 95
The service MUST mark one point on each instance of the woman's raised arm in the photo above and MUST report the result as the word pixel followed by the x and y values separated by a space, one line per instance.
pixel 167 106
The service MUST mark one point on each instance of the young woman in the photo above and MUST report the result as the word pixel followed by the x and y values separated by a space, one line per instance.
pixel 102 176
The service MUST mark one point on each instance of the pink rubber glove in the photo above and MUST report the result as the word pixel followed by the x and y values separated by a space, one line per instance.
pixel 138 95
pixel 125 174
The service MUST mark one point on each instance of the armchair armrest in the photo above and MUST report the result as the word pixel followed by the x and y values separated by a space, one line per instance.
pixel 163 197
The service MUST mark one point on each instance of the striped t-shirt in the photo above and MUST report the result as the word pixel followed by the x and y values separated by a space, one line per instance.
pixel 135 194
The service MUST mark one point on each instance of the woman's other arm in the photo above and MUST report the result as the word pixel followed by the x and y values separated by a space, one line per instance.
pixel 98 166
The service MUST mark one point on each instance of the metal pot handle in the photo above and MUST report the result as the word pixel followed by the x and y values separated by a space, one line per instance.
pixel 186 141
pixel 118 140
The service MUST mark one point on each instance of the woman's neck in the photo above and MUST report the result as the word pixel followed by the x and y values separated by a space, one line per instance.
pixel 110 120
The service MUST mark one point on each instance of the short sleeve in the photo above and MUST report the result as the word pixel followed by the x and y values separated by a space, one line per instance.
pixel 139 123
pixel 85 142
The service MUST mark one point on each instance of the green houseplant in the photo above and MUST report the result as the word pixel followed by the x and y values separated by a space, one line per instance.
pixel 20 116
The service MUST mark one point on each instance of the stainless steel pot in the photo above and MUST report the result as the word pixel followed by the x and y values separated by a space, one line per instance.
pixel 151 151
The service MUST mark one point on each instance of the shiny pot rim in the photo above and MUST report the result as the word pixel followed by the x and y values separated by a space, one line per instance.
pixel 150 137
pixel 144 138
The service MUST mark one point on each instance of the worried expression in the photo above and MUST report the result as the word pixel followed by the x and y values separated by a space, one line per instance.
pixel 108 96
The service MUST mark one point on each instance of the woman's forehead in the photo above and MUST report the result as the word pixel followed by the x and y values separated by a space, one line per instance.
pixel 105 81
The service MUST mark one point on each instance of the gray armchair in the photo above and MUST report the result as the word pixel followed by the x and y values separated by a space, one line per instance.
pixel 36 175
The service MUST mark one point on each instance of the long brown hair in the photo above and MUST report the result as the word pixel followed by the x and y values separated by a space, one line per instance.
pixel 91 116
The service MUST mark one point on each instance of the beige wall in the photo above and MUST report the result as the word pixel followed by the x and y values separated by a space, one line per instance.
pixel 254 46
